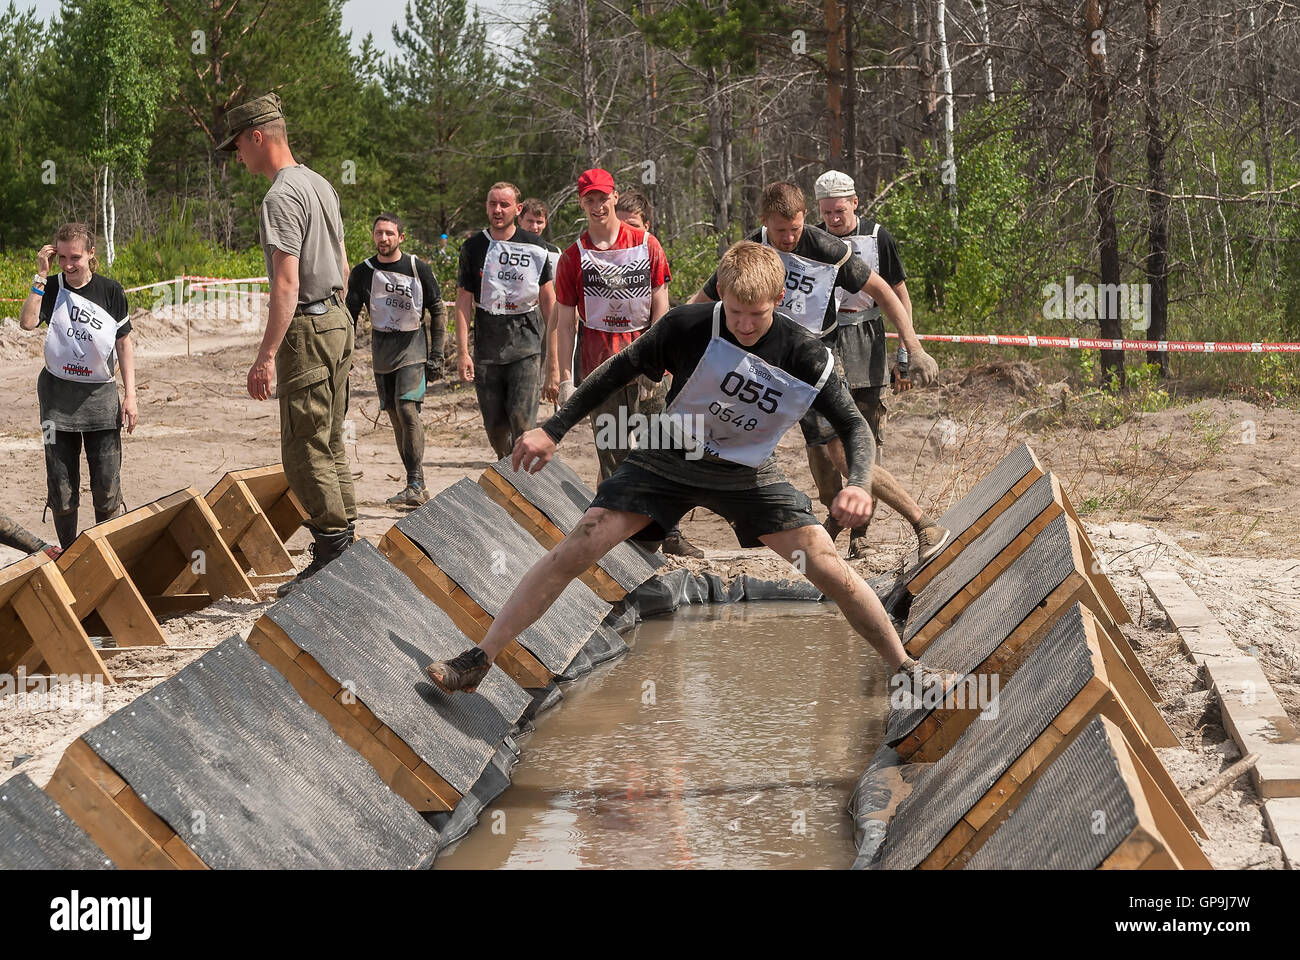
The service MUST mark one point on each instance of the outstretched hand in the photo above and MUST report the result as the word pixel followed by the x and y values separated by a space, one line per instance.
pixel 533 450
pixel 851 507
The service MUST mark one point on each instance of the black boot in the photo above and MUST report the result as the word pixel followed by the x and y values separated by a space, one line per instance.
pixel 327 548
pixel 65 527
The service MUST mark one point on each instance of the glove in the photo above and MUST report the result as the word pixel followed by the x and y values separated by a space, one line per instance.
pixel 923 369
pixel 647 389
pixel 566 391
pixel 433 370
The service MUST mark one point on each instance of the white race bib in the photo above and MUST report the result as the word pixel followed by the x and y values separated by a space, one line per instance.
pixel 616 287
pixel 512 274
pixel 863 307
pixel 81 343
pixel 396 300
pixel 809 286
pixel 744 404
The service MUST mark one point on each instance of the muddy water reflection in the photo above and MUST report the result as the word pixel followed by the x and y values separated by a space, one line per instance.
pixel 727 737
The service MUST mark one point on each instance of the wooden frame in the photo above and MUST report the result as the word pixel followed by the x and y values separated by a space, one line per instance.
pixel 105 806
pixel 38 625
pixel 545 532
pixel 958 544
pixel 1080 585
pixel 1174 816
pixel 472 620
pixel 935 735
pixel 396 763
pixel 1145 847
pixel 128 569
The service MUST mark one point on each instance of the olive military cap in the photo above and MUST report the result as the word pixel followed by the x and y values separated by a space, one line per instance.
pixel 249 114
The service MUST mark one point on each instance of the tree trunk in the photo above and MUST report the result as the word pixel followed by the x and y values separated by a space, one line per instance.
pixel 1157 265
pixel 720 149
pixel 925 69
pixel 1094 45
pixel 982 19
pixel 590 109
pixel 850 97
pixel 945 73
pixel 833 83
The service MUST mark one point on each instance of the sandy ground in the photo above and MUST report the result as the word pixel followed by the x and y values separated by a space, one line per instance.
pixel 1209 486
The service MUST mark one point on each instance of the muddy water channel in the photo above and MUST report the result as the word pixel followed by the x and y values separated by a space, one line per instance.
pixel 728 737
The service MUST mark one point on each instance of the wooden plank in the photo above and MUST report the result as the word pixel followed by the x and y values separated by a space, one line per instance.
pixel 1111 707
pixel 173 604
pixel 348 724
pixel 1252 713
pixel 1282 814
pixel 195 530
pixel 471 619
pixel 959 543
pixel 950 611
pixel 44 604
pixel 246 527
pixel 1130 691
pixel 15 574
pixel 286 515
pixel 540 527
pixel 129 618
pixel 91 574
pixel 1168 821
pixel 182 855
pixel 76 789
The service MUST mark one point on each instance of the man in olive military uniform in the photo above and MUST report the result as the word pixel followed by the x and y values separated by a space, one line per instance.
pixel 307 347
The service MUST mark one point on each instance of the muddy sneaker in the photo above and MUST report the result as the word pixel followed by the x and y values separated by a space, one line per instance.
pixel 930 540
pixel 916 685
pixel 833 528
pixel 465 671
pixel 409 496
pixel 678 546
pixel 858 545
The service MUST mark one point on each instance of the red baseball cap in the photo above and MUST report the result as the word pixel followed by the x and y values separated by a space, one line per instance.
pixel 595 179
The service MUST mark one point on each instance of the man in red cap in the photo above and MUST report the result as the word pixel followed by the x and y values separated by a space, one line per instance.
pixel 615 279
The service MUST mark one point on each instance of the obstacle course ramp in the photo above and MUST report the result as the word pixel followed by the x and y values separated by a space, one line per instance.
pixel 372 633
pixel 549 504
pixel 475 544
pixel 35 834
pixel 935 607
pixel 972 514
pixel 992 630
pixel 225 766
pixel 1087 810
pixel 958 801
pixel 127 571
pixel 258 514
pixel 38 623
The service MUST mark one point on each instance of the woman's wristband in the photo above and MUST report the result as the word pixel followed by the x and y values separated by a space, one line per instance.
pixel 39 291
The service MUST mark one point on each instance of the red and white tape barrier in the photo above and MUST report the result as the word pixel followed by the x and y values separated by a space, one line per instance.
pixel 1095 343
pixel 195 282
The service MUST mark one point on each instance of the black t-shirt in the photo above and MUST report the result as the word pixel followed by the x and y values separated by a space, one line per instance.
pixel 68 404
pixel 818 245
pixel 675 344
pixel 393 349
pixel 502 338
pixel 891 265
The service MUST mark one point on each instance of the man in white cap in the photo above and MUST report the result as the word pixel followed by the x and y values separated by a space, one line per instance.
pixel 860 349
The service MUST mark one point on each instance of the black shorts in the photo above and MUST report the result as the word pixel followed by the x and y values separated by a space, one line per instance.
pixel 404 383
pixel 752 513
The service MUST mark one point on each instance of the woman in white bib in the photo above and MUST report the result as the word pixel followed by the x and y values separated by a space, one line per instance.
pixel 88 338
